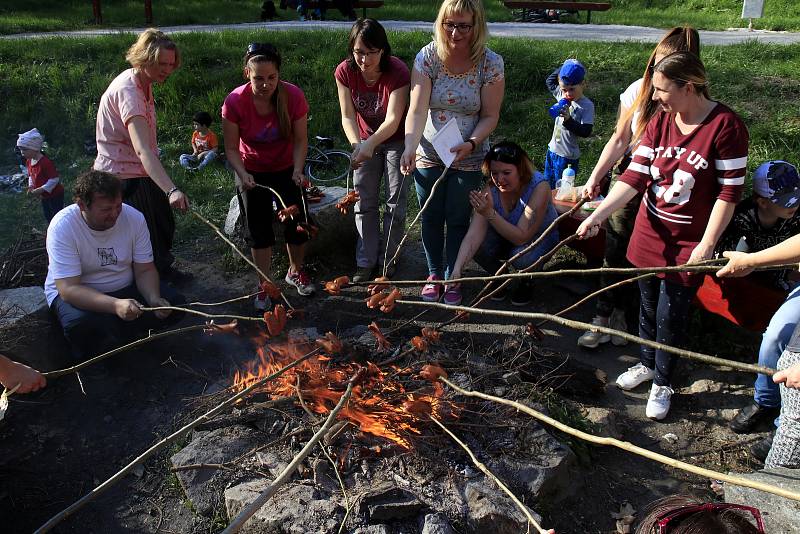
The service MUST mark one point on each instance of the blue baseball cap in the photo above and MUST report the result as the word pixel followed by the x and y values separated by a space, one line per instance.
pixel 572 72
pixel 779 182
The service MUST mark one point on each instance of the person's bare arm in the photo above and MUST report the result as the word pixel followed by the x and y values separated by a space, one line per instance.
pixel 615 148
pixel 419 104
pixel 231 132
pixel 300 150
pixel 742 263
pixel 491 100
pixel 13 374
pixel 398 100
pixel 140 137
pixel 471 243
pixel 530 222
pixel 348 112
pixel 721 215
pixel 73 292
pixel 147 282
pixel 619 195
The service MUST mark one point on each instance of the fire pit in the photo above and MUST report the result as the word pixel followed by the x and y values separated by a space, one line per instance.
pixel 384 466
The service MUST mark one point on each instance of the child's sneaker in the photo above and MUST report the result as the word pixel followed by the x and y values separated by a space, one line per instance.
pixel 617 322
pixel 262 302
pixel 592 340
pixel 301 281
pixel 659 401
pixel 432 292
pixel 452 294
pixel 638 374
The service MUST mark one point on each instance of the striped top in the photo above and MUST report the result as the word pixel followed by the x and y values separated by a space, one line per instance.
pixel 681 176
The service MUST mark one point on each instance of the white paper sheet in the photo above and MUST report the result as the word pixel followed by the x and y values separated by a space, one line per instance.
pixel 445 139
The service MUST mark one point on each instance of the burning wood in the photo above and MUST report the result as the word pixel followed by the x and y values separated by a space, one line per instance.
pixel 348 200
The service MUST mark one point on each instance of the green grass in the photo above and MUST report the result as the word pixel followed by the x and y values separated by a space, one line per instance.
pixel 49 15
pixel 55 84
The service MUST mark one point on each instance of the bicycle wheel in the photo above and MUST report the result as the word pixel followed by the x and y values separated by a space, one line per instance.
pixel 328 167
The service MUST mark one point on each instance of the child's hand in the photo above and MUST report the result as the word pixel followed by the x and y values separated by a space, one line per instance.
pixel 38 191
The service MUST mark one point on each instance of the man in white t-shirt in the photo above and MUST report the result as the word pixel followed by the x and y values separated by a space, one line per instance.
pixel 101 272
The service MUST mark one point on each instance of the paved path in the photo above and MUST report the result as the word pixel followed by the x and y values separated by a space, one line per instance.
pixel 549 32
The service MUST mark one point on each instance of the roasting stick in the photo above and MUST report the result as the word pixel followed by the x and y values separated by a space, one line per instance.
pixel 630 447
pixel 239 252
pixel 491 475
pixel 248 511
pixel 202 314
pixel 178 434
pixel 579 325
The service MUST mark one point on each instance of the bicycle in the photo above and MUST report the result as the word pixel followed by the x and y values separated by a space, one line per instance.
pixel 325 164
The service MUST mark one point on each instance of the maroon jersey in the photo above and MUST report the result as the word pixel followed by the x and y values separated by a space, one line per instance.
pixel 681 177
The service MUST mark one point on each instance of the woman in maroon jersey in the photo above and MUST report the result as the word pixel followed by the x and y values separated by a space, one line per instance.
pixel 690 165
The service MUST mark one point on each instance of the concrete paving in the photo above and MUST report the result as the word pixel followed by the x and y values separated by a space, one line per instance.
pixel 547 32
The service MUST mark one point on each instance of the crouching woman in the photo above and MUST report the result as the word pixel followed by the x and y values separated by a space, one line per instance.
pixel 509 214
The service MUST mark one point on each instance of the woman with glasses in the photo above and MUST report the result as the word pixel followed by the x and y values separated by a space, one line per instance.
pixel 265 123
pixel 509 214
pixel 636 108
pixel 127 146
pixel 690 166
pixel 373 97
pixel 456 77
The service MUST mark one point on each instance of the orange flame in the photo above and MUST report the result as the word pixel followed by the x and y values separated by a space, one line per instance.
pixel 379 405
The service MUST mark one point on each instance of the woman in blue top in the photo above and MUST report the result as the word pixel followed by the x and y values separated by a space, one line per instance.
pixel 509 213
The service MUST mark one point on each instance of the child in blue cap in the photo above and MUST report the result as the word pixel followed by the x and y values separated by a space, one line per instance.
pixel 575 119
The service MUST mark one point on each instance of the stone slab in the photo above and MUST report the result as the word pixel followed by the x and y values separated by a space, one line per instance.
pixel 22 304
pixel 781 515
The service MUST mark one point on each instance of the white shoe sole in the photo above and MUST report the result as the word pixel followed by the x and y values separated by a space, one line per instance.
pixel 599 342
pixel 618 341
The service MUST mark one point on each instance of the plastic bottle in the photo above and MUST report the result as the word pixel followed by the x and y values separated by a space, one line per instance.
pixel 566 185
pixel 555 109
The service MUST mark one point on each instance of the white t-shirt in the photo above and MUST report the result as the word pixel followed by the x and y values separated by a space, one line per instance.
pixel 103 259
pixel 628 98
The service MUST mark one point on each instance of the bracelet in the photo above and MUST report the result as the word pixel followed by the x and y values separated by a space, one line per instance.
pixel 473 143
pixel 169 193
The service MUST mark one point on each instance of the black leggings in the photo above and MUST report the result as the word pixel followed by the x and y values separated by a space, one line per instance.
pixel 662 318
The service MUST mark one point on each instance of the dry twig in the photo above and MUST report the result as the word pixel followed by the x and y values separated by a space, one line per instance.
pixel 624 445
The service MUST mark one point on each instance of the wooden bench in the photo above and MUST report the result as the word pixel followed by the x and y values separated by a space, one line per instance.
pixel 730 298
pixel 575 6
pixel 363 5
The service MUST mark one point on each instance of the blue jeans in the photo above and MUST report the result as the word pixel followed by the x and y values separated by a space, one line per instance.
pixel 190 161
pixel 554 166
pixel 662 318
pixel 90 333
pixel 449 206
pixel 774 341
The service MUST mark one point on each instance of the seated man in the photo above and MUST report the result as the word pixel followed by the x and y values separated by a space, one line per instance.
pixel 101 269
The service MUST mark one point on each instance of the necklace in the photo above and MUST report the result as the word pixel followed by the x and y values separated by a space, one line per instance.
pixel 371 81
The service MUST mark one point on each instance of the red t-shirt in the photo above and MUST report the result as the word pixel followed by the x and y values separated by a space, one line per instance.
pixel 42 171
pixel 682 176
pixel 372 102
pixel 260 143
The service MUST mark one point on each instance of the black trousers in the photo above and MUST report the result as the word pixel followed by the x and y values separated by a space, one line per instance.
pixel 144 195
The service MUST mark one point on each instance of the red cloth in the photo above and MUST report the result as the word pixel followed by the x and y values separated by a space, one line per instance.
pixel 743 301
pixel 372 102
pixel 41 172
pixel 260 142
pixel 682 176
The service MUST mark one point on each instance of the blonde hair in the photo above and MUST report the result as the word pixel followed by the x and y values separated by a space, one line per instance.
pixel 280 99
pixel 678 39
pixel 480 31
pixel 147 49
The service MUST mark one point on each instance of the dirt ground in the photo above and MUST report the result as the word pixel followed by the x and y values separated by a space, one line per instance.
pixel 57 445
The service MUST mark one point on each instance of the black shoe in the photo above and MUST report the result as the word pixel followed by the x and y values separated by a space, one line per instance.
pixel 364 274
pixel 176 277
pixel 500 295
pixel 521 295
pixel 760 449
pixel 751 417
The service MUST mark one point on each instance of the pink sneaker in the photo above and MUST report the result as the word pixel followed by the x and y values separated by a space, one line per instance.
pixel 432 292
pixel 452 294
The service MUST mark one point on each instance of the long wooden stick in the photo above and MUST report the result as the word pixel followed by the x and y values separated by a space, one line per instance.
pixel 229 301
pixel 480 465
pixel 178 434
pixel 439 180
pixel 131 345
pixel 202 314
pixel 248 511
pixel 630 447
pixel 239 252
pixel 579 325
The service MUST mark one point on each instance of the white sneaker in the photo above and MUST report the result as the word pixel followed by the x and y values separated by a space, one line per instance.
pixel 617 322
pixel 262 302
pixel 638 374
pixel 659 401
pixel 590 339
pixel 301 281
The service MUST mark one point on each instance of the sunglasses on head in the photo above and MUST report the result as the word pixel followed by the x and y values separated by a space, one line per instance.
pixel 258 49
pixel 505 154
pixel 665 519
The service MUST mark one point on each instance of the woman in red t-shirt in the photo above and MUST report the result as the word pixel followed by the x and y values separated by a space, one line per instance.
pixel 265 124
pixel 690 165
pixel 373 96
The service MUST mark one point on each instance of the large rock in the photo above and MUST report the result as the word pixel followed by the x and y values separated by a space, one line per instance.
pixel 203 486
pixel 295 509
pixel 781 515
pixel 337 232
pixel 436 524
pixel 491 510
pixel 22 304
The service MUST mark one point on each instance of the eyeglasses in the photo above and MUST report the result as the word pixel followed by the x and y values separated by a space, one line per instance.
pixel 366 53
pixel 504 154
pixel 460 28
pixel 664 520
pixel 258 49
